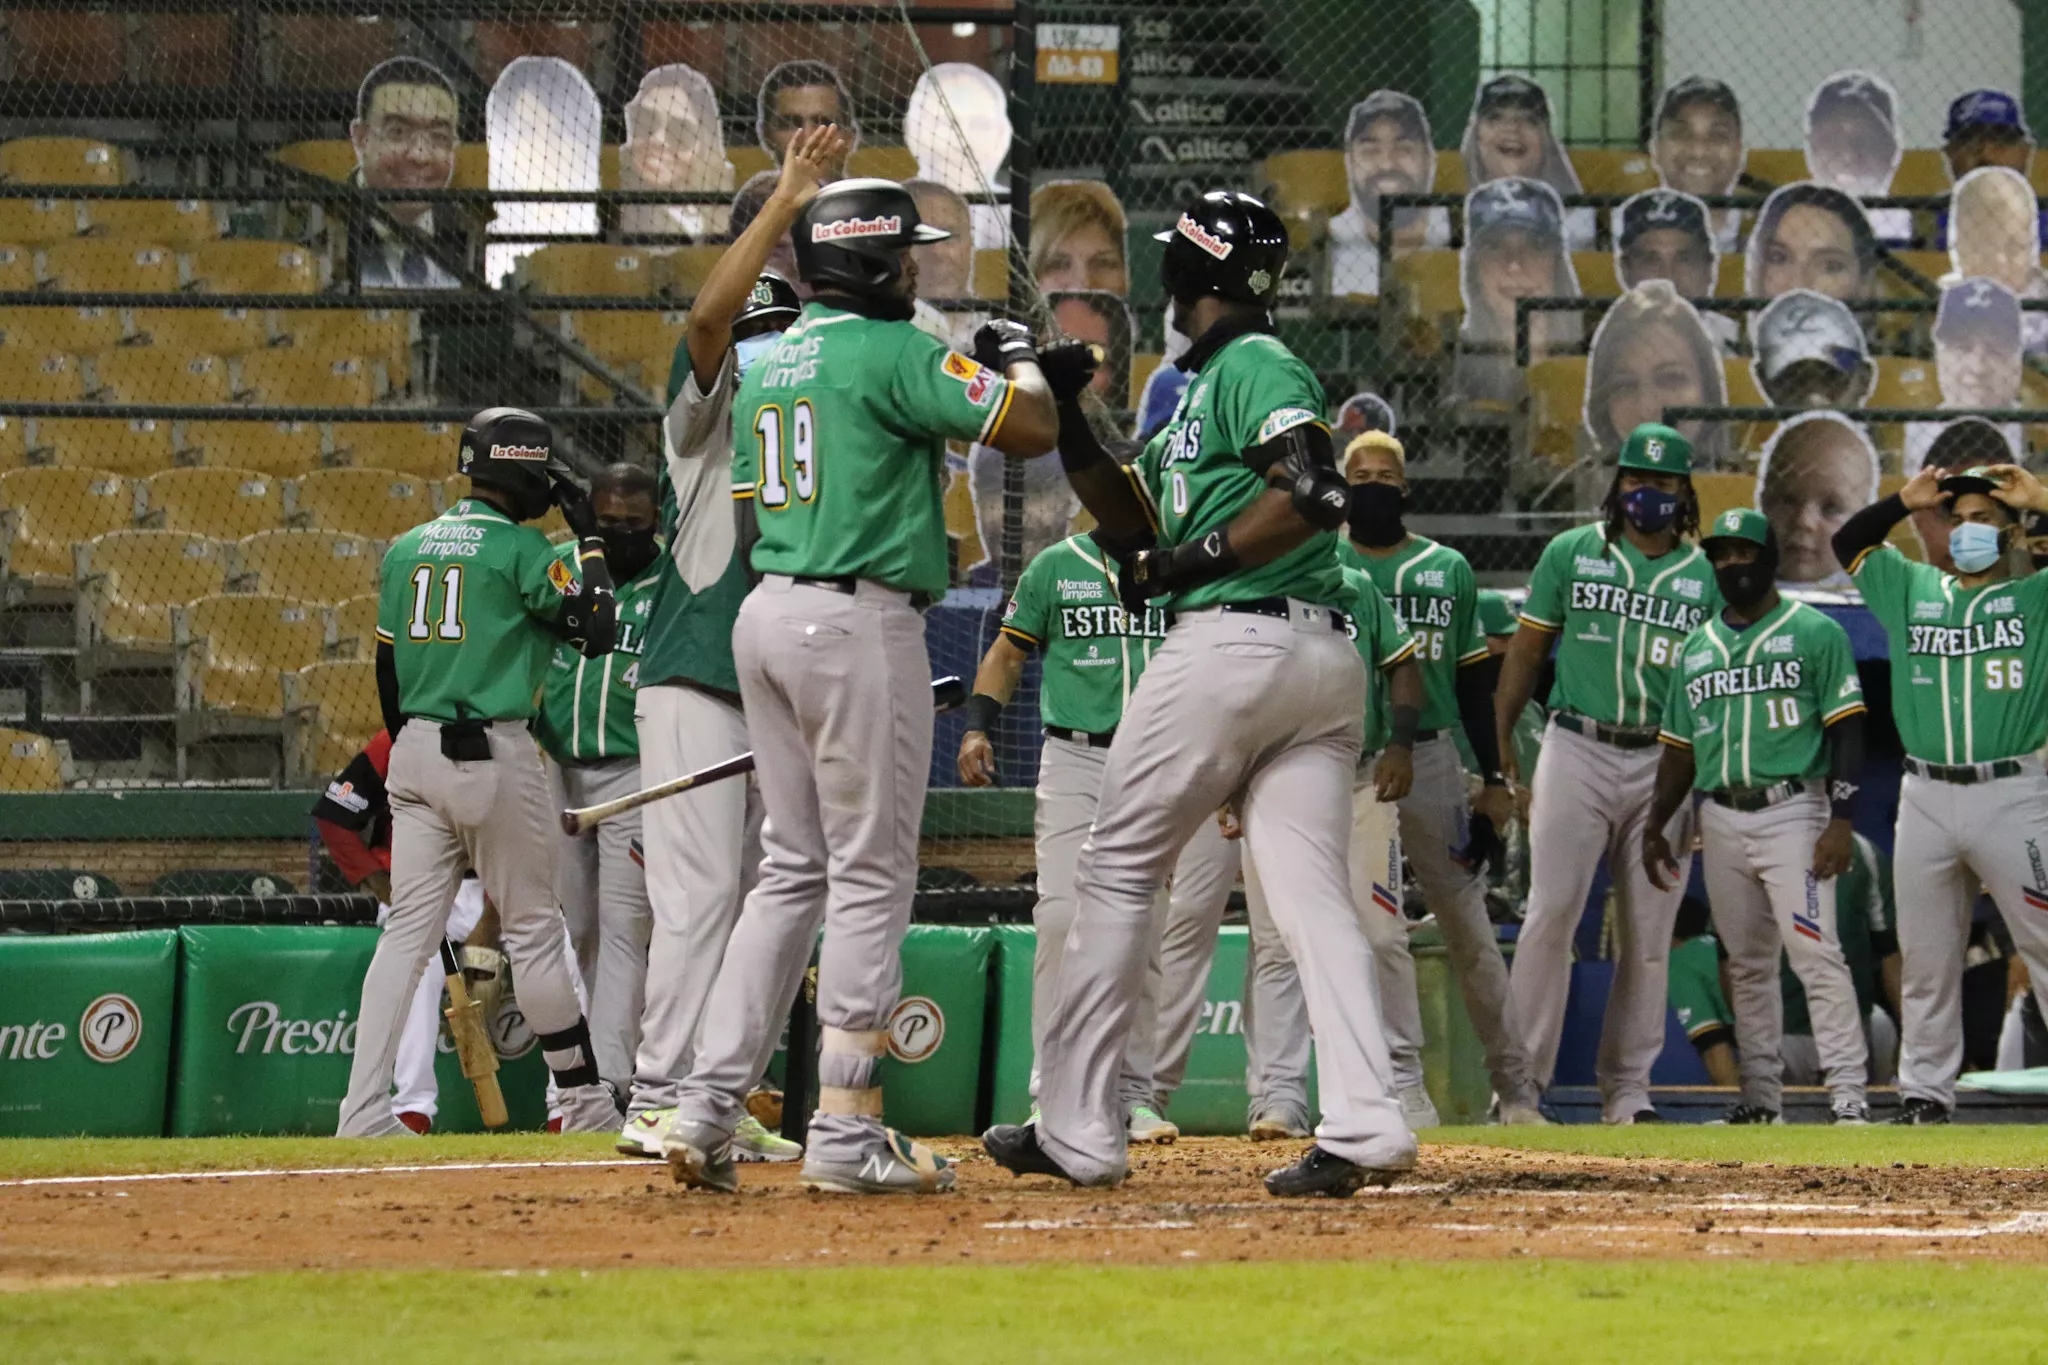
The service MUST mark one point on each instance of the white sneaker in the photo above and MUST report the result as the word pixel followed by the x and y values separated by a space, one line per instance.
pixel 1522 1116
pixel 1418 1111
pixel 643 1133
pixel 1278 1125
pixel 1149 1125
pixel 752 1142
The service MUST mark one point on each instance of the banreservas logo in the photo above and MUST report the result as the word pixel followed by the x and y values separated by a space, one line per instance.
pixel 261 1027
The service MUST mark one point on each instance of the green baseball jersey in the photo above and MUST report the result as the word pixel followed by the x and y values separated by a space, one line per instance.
pixel 1250 391
pixel 839 437
pixel 1496 612
pixel 586 705
pixel 1863 913
pixel 1619 617
pixel 1431 589
pixel 1694 989
pixel 1969 665
pixel 461 605
pixel 702 575
pixel 1752 703
pixel 1382 641
pixel 1066 606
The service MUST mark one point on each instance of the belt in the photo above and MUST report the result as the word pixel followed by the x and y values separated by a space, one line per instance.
pixel 1965 774
pixel 1093 739
pixel 1621 737
pixel 1277 607
pixel 1425 736
pixel 1757 798
pixel 849 585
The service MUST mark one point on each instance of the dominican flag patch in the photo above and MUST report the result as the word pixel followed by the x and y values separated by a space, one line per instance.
pixel 2037 899
pixel 1385 899
pixel 1807 928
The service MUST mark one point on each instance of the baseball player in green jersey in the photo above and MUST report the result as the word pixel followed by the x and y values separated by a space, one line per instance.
pixel 1693 986
pixel 704 848
pixel 1436 597
pixel 1969 654
pixel 586 728
pixel 1765 716
pixel 1256 698
pixel 840 435
pixel 1065 606
pixel 1616 597
pixel 470 606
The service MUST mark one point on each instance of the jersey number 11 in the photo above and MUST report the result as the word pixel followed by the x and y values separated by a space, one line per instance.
pixel 422 627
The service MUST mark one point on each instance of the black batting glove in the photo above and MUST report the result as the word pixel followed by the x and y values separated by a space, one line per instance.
pixel 1140 577
pixel 1003 343
pixel 1068 367
pixel 576 508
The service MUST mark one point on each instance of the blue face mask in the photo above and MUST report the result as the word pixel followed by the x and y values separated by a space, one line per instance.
pixel 746 352
pixel 1974 547
pixel 1649 510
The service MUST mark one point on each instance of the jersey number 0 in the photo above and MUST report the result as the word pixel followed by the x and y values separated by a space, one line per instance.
pixel 803 455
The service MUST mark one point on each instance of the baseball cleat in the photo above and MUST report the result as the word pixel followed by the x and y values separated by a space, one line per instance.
pixel 1853 1113
pixel 1521 1115
pixel 700 1156
pixel 1643 1115
pixel 1324 1173
pixel 1749 1114
pixel 895 1165
pixel 415 1121
pixel 765 1104
pixel 1277 1125
pixel 1149 1125
pixel 752 1142
pixel 1418 1111
pixel 589 1108
pixel 1014 1147
pixel 1917 1112
pixel 643 1133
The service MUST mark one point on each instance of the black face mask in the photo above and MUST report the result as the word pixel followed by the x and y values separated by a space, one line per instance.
pixel 1376 510
pixel 628 551
pixel 1744 585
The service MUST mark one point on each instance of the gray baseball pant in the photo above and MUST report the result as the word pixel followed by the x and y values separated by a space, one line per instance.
pixel 1265 711
pixel 448 816
pixel 1948 834
pixel 837 690
pixel 603 891
pixel 1761 888
pixel 1592 800
pixel 703 855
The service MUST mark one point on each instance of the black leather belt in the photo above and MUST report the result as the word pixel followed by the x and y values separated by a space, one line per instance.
pixel 1092 740
pixel 1756 798
pixel 1620 737
pixel 1965 774
pixel 1425 736
pixel 1278 607
pixel 849 585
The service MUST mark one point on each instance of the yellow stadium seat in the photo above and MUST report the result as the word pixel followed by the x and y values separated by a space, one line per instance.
pixel 589 268
pixel 424 449
pixel 320 566
pixel 1597 278
pixel 1905 382
pixel 130 446
pixel 250 267
pixel 157 374
pixel 334 706
pixel 1931 265
pixel 1728 276
pixel 17 267
pixel 282 450
pixel 85 264
pixel 208 331
pixel 61 161
pixel 1613 170
pixel 288 376
pixel 332 158
pixel 472 167
pixel 13 442
pixel 234 645
pixel 211 501
pixel 992 273
pixel 355 627
pixel 374 334
pixel 1740 381
pixel 38 222
pixel 132 579
pixel 1305 182
pixel 363 502
pixel 80 331
pixel 48 377
pixel 683 270
pixel 1922 170
pixel 1777 165
pixel 1719 492
pixel 1450 173
pixel 160 222
pixel 47 511
pixel 1426 283
pixel 637 346
pixel 29 762
pixel 889 163
pixel 1557 404
pixel 750 161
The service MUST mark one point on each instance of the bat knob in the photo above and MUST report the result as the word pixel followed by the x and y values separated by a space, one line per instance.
pixel 572 823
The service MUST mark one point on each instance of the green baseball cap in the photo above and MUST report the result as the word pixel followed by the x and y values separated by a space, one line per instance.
pixel 1658 449
pixel 1496 613
pixel 1740 523
pixel 1974 480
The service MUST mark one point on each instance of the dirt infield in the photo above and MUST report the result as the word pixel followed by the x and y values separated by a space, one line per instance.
pixel 1197 1201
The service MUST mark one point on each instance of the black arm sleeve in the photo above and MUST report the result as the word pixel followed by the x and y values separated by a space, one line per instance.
pixel 1105 487
pixel 1845 765
pixel 1867 529
pixel 1476 682
pixel 387 689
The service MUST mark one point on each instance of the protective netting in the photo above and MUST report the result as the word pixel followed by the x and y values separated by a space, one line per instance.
pixel 257 263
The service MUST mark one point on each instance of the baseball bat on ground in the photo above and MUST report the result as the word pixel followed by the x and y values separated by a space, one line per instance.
pixel 472 1041
pixel 948 693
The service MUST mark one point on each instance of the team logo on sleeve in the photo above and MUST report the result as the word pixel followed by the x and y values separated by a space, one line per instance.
pixel 560 575
pixel 979 379
pixel 1283 419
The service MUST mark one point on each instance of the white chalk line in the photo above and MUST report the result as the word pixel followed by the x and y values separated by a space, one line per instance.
pixel 317 1170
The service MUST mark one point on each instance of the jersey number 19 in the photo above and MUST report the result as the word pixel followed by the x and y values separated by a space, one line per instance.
pixel 803 471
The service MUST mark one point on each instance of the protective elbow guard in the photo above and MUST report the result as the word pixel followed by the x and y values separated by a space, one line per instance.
pixel 590 615
pixel 1302 460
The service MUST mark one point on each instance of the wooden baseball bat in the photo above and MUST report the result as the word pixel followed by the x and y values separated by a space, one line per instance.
pixel 473 1041
pixel 948 693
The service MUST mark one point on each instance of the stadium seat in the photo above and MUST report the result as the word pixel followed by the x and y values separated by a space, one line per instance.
pixel 46 511
pixel 233 646
pixel 424 449
pixel 627 337
pixel 1775 165
pixel 159 374
pixel 30 762
pixel 374 334
pixel 1728 276
pixel 355 627
pixel 991 273
pixel 319 566
pixel 28 376
pixel 321 51
pixel 749 161
pixel 592 269
pixel 1922 170
pixel 282 450
pixel 472 167
pixel 212 501
pixel 208 331
pixel 17 267
pixel 700 45
pixel 1905 382
pixel 55 883
pixel 332 158
pixel 683 271
pixel 1613 170
pixel 61 161
pixel 889 163
pixel 1557 401
pixel 1450 172
pixel 499 42
pixel 334 703
pixel 363 502
pixel 66 47
pixel 80 331
pixel 1740 382
pixel 159 222
pixel 252 267
pixel 127 446
pixel 1305 182
pixel 38 222
pixel 1930 265
pixel 287 376
pixel 1426 282
pixel 86 264
pixel 132 579
pixel 1597 278
pixel 221 881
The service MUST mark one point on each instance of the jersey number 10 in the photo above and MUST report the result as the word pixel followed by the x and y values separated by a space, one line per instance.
pixel 803 455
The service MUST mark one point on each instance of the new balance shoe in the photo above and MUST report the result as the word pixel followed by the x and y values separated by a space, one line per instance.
pixel 1324 1173
pixel 753 1142
pixel 895 1165
pixel 1918 1112
pixel 1418 1111
pixel 1852 1113
pixel 1278 1125
pixel 1749 1115
pixel 1149 1125
pixel 643 1133
pixel 700 1156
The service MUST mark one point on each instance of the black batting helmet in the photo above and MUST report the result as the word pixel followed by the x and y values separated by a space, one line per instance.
pixel 853 234
pixel 509 450
pixel 772 306
pixel 1227 244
